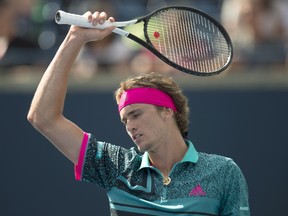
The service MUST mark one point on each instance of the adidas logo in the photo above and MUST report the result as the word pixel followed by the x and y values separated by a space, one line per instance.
pixel 197 191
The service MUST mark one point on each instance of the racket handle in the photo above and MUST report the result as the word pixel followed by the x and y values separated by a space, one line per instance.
pixel 62 17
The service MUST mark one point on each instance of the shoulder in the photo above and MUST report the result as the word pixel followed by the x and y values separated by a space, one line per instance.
pixel 112 150
pixel 218 163
pixel 215 158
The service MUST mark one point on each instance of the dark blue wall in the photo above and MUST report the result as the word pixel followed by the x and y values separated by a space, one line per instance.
pixel 249 126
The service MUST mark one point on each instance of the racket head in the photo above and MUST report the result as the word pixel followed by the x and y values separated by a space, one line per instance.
pixel 189 40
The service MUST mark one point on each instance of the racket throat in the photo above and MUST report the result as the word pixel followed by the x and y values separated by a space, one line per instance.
pixel 121 32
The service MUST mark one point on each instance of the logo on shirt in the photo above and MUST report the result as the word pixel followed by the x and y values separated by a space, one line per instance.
pixel 197 191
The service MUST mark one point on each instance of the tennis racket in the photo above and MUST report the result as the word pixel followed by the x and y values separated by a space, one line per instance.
pixel 185 38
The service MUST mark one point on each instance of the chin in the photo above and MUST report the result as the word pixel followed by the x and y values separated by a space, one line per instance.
pixel 140 149
pixel 143 146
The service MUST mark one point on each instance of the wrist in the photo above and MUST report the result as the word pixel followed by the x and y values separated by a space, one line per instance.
pixel 75 38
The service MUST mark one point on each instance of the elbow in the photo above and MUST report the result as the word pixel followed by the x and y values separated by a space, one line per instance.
pixel 41 121
pixel 34 119
pixel 37 120
pixel 31 118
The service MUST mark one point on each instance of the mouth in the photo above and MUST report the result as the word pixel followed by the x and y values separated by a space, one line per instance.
pixel 136 137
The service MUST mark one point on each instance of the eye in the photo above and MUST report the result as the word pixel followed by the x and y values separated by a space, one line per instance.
pixel 136 115
pixel 133 115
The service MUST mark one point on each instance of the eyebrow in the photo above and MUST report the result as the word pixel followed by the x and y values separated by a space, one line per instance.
pixel 129 114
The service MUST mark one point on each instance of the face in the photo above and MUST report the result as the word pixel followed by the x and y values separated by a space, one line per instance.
pixel 145 125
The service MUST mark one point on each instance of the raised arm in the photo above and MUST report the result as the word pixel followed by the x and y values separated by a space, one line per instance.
pixel 46 111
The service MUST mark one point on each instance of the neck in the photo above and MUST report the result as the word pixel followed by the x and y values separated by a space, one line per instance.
pixel 171 153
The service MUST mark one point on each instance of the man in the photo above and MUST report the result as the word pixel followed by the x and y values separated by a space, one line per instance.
pixel 164 175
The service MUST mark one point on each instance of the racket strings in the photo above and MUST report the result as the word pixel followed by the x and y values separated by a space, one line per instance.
pixel 189 39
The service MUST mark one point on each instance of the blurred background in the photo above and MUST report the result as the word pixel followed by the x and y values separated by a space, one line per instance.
pixel 240 113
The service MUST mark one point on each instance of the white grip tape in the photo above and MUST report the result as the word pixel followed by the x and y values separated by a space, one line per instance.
pixel 78 20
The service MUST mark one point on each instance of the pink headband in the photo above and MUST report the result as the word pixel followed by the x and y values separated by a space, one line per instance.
pixel 146 96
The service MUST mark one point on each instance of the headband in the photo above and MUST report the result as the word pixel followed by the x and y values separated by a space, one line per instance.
pixel 147 96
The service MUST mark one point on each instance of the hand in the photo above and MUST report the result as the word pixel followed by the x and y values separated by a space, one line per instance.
pixel 86 35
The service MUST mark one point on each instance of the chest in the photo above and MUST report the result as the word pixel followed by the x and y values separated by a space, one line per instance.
pixel 184 181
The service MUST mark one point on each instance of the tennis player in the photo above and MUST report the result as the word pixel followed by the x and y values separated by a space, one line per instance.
pixel 163 174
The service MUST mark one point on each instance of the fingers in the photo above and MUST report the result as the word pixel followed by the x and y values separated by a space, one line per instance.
pixel 93 34
pixel 111 19
pixel 97 17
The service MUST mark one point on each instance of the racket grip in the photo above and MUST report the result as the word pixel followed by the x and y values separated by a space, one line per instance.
pixel 65 18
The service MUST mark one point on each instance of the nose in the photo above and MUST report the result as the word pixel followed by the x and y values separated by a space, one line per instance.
pixel 130 127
